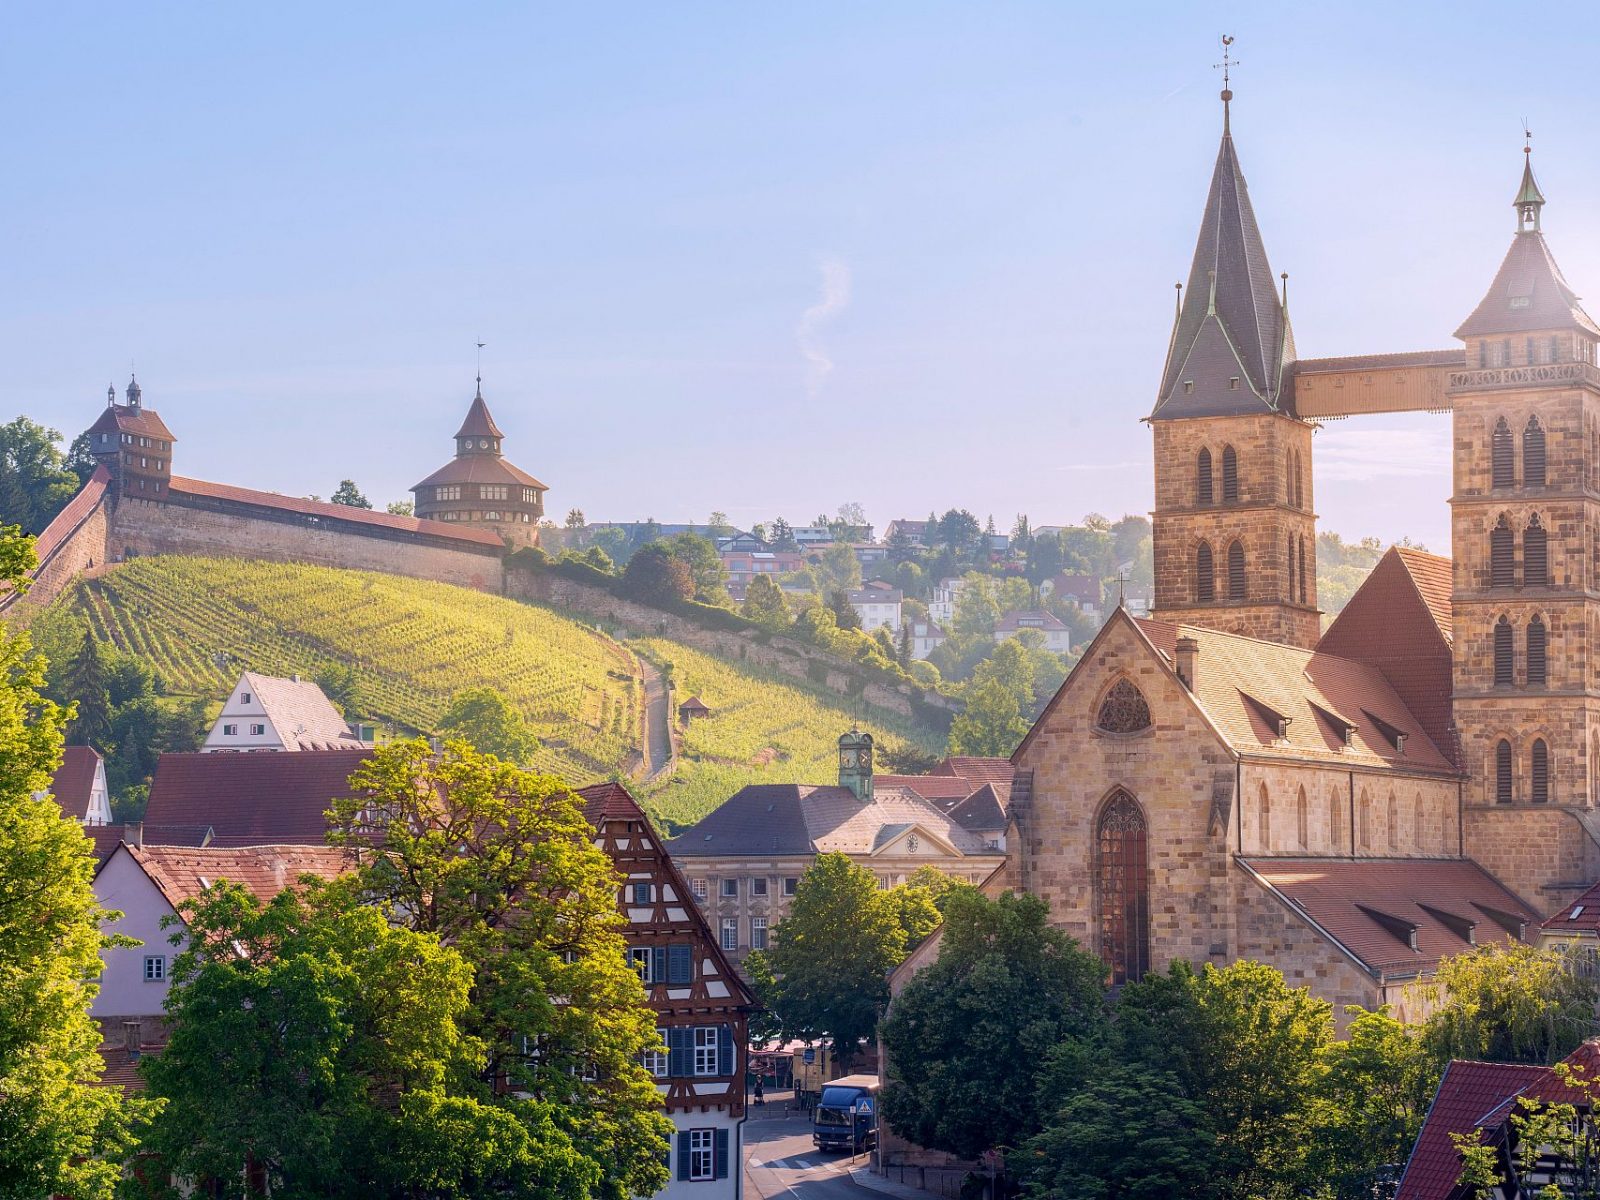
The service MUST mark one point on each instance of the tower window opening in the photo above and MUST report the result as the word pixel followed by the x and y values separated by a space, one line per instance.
pixel 1533 458
pixel 1303 592
pixel 1535 555
pixel 1502 772
pixel 1504 653
pixel 1236 577
pixel 1537 658
pixel 1539 772
pixel 1502 555
pixel 1202 478
pixel 1230 475
pixel 1205 575
pixel 1502 469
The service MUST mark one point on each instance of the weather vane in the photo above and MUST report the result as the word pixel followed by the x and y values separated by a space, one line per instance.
pixel 481 345
pixel 1527 137
pixel 1225 66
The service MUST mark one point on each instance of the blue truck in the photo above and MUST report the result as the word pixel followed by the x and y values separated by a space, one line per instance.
pixel 846 1116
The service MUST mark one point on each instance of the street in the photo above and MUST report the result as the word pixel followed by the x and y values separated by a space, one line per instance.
pixel 781 1162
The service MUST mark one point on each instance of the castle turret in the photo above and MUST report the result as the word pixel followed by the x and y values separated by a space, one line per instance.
pixel 479 487
pixel 134 444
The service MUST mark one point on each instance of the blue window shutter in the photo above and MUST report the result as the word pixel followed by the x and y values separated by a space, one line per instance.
pixel 680 967
pixel 683 1156
pixel 722 1153
pixel 724 1050
pixel 658 963
pixel 679 1062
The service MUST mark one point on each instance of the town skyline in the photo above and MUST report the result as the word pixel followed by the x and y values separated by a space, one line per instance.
pixel 926 315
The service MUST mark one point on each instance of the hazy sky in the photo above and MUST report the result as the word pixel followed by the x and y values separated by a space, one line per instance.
pixel 762 258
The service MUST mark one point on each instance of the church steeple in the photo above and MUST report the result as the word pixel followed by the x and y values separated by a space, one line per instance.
pixel 1529 198
pixel 1232 343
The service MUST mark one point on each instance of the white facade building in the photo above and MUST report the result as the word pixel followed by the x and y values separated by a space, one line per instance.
pixel 942 605
pixel 877 604
pixel 266 713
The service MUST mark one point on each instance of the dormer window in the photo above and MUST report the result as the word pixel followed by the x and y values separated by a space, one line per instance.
pixel 1521 301
pixel 1233 384
pixel 1188 386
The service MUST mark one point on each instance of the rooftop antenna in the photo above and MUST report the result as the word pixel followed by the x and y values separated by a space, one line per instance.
pixel 481 345
pixel 1228 62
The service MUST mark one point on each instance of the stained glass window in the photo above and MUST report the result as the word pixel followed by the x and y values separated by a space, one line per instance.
pixel 1124 709
pixel 1123 887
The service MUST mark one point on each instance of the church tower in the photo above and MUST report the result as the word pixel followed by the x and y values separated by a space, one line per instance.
pixel 1526 536
pixel 1234 533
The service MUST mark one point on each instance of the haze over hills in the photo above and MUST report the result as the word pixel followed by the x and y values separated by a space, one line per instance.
pixel 412 644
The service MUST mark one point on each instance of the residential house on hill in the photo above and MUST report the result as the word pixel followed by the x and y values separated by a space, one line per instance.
pixel 877 604
pixel 1083 590
pixel 267 713
pixel 1057 638
pixel 79 786
pixel 925 638
pixel 942 601
pixel 909 533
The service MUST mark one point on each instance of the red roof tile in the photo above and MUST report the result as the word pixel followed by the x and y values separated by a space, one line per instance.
pixel 989 770
pixel 478 421
pixel 1577 916
pixel 201 490
pixel 74 780
pixel 251 799
pixel 184 872
pixel 124 418
pixel 70 517
pixel 1467 1091
pixel 1368 905
pixel 480 468
pixel 1381 362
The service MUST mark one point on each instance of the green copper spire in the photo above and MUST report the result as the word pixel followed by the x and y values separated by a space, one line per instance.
pixel 1529 198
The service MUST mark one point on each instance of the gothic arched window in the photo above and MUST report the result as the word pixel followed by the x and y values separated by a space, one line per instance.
pixel 1539 772
pixel 1392 823
pixel 1235 571
pixel 1289 556
pixel 1538 660
pixel 1123 710
pixel 1335 820
pixel 1535 554
pixel 1303 590
pixel 1364 820
pixel 1502 468
pixel 1302 820
pixel 1533 454
pixel 1122 884
pixel 1205 575
pixel 1202 478
pixel 1503 652
pixel 1502 772
pixel 1230 475
pixel 1299 483
pixel 1502 554
pixel 1264 829
pixel 1419 818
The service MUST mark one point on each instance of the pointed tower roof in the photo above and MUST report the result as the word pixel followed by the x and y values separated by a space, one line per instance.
pixel 479 423
pixel 1529 293
pixel 1231 325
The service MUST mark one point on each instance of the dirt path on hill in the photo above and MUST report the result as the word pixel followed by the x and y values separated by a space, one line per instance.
pixel 657 742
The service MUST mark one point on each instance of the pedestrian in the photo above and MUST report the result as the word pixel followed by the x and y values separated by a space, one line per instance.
pixel 761 1093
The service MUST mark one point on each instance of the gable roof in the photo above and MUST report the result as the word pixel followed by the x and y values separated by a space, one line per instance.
pixel 1467 1092
pixel 69 518
pixel 1528 294
pixel 73 780
pixel 984 811
pixel 125 418
pixel 1028 618
pixel 1580 915
pixel 968 766
pixel 182 873
pixel 1231 324
pixel 1371 907
pixel 250 799
pixel 301 714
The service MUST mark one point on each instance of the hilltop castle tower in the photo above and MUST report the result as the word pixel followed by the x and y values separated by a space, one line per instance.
pixel 134 444
pixel 1526 528
pixel 1234 532
pixel 479 487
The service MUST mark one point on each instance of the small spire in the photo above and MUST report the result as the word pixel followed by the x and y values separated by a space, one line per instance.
pixel 1529 199
pixel 111 395
pixel 1228 62
pixel 1284 300
pixel 134 391
pixel 481 345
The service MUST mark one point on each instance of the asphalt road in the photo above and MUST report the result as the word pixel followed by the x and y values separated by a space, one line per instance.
pixel 782 1164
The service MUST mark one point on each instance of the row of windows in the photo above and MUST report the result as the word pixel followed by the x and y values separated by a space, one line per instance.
pixel 1205 573
pixel 730 933
pixel 670 964
pixel 692 1051
pixel 1503 554
pixel 128 439
pixel 233 730
pixel 491 515
pixel 1505 652
pixel 1538 772
pixel 1338 803
pixel 1502 465
pixel 1536 351
pixel 486 491
pixel 146 464
pixel 1205 483
pixel 728 887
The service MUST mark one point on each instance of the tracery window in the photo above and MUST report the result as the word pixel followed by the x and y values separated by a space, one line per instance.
pixel 1123 710
pixel 1122 885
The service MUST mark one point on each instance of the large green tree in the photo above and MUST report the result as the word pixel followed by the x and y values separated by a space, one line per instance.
pixel 967 1037
pixel 833 953
pixel 992 723
pixel 1509 1002
pixel 501 864
pixel 35 479
pixel 326 1047
pixel 59 1133
pixel 349 495
pixel 655 576
pixel 88 684
pixel 764 603
pixel 485 719
pixel 706 572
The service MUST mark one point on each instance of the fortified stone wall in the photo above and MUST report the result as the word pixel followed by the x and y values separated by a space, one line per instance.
pixel 784 655
pixel 76 541
pixel 151 527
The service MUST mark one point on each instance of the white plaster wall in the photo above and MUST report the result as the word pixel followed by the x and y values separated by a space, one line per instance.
pixel 123 886
pixel 711 1189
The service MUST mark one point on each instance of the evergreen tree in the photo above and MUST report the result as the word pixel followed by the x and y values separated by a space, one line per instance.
pixel 349 495
pixel 59 1131
pixel 87 683
pixel 764 603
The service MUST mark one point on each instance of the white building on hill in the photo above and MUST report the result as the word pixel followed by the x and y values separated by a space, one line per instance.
pixel 266 713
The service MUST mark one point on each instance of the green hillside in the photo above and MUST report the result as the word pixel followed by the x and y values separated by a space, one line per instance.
pixel 198 622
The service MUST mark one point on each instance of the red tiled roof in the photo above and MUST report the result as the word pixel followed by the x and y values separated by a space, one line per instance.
pixel 184 872
pixel 251 799
pixel 989 770
pixel 944 790
pixel 478 421
pixel 480 468
pixel 70 517
pixel 1467 1091
pixel 74 780
pixel 124 418
pixel 1033 618
pixel 1399 621
pixel 1368 905
pixel 609 801
pixel 119 1069
pixel 1381 362
pixel 200 489
pixel 1528 294
pixel 1577 916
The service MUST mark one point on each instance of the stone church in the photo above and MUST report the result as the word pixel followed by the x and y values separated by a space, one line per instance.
pixel 1229 780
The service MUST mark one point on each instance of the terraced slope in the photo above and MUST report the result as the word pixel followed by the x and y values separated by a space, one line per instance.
pixel 198 622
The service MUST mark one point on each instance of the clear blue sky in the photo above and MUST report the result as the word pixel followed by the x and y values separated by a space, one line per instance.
pixel 761 258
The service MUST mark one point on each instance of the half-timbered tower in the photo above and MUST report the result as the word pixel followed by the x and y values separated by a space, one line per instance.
pixel 702 1005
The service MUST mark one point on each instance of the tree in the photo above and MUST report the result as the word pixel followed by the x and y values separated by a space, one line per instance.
pixel 328 1046
pixel 349 495
pixel 977 610
pixel 1508 1002
pixel 575 519
pixel 885 643
pixel 845 615
pixel 35 481
pixel 706 570
pixel 654 576
pixel 1010 665
pixel 719 525
pixel 764 1022
pixel 991 725
pixel 401 508
pixel 59 1132
pixel 919 901
pixel 960 532
pixel 764 603
pixel 853 513
pixel 86 683
pixel 833 953
pixel 838 567
pixel 501 864
pixel 486 721
pixel 967 1036
pixel 340 683
pixel 782 536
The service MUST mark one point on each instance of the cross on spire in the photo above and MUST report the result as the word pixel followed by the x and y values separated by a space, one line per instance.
pixel 1225 66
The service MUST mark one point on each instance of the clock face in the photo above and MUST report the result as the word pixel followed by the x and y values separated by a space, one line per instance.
pixel 849 758
pixel 483 444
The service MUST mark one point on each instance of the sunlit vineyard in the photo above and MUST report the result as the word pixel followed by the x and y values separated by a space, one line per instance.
pixel 198 622
pixel 764 728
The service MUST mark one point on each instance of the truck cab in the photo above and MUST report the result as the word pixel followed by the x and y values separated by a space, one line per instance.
pixel 846 1116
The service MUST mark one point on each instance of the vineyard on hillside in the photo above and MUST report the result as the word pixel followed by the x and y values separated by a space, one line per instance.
pixel 764 728
pixel 198 622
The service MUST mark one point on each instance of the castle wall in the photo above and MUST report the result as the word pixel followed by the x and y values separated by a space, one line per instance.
pixel 74 542
pixel 150 527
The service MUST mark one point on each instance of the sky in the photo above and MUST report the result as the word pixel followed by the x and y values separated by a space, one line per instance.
pixel 763 259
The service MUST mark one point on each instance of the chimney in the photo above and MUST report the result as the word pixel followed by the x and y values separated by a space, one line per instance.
pixel 1188 652
pixel 133 833
pixel 132 1039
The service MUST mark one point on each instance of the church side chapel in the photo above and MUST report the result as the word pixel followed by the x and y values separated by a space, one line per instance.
pixel 1225 780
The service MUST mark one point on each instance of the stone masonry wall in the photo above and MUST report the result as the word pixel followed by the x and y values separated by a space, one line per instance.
pixel 1545 855
pixel 1270 932
pixel 150 527
pixel 85 547
pixel 1368 814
